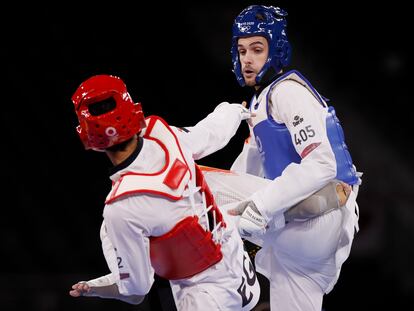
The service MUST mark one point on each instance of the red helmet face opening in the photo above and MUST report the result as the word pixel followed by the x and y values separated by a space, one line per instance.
pixel 107 115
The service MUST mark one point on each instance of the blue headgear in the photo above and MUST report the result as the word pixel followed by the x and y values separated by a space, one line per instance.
pixel 267 21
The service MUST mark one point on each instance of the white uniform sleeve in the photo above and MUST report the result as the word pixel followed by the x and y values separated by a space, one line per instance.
pixel 213 132
pixel 131 246
pixel 305 118
pixel 109 253
pixel 249 160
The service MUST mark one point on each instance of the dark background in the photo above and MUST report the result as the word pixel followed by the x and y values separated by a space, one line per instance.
pixel 175 59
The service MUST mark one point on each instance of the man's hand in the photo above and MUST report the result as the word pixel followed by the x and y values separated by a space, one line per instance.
pixel 245 113
pixel 81 289
pixel 343 191
pixel 251 222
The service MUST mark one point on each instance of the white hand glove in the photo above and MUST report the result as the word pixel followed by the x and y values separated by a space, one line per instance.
pixel 251 222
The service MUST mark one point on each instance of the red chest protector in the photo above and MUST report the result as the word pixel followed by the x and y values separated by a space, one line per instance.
pixel 188 248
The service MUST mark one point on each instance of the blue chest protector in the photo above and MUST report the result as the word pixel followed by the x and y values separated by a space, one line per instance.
pixel 276 148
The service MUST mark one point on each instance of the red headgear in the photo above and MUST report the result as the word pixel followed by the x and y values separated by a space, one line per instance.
pixel 107 115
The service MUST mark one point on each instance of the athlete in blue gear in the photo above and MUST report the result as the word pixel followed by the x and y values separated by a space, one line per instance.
pixel 297 142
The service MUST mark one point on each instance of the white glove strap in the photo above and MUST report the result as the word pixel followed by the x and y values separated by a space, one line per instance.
pixel 251 223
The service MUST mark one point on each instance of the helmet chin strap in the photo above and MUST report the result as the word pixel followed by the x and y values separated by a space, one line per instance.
pixel 267 77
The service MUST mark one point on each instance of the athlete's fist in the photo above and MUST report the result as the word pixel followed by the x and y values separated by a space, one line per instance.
pixel 251 222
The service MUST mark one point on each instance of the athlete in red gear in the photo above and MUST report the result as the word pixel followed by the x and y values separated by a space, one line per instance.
pixel 160 216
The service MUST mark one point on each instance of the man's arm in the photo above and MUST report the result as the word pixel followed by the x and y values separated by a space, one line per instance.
pixel 131 274
pixel 134 272
pixel 332 196
pixel 232 191
pixel 104 290
pixel 215 131
pixel 105 286
pixel 252 223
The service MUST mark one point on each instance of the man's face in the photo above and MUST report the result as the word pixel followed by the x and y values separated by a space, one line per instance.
pixel 253 52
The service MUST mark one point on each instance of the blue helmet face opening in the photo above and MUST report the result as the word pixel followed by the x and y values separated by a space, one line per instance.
pixel 266 21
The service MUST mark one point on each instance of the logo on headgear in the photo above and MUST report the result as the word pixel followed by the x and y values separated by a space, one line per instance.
pixel 244 27
pixel 110 131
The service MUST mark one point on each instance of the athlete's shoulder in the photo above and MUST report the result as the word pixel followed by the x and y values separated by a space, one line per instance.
pixel 290 89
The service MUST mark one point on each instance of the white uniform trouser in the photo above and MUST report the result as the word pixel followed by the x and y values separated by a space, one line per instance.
pixel 303 260
pixel 216 297
pixel 225 286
